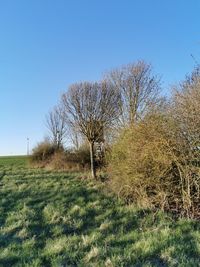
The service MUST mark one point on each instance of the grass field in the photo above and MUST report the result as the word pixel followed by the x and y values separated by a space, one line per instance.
pixel 55 219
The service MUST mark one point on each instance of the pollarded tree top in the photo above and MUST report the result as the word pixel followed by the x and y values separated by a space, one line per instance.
pixel 92 107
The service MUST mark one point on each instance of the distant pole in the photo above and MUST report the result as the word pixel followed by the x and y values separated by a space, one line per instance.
pixel 27 146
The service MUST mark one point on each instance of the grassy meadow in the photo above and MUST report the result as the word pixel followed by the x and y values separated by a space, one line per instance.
pixel 57 219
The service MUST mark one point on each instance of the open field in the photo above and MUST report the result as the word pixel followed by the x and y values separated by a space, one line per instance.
pixel 55 219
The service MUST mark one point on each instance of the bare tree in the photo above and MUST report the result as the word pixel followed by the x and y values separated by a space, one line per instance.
pixel 139 89
pixel 56 124
pixel 91 107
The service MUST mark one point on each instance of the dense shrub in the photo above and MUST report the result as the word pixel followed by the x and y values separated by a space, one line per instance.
pixel 42 153
pixel 155 164
pixel 71 160
pixel 185 112
pixel 82 156
pixel 141 162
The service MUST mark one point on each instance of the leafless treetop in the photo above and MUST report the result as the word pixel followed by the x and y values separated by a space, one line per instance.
pixel 139 89
pixel 91 106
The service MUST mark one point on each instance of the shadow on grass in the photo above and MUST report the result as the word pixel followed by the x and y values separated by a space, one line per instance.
pixel 54 206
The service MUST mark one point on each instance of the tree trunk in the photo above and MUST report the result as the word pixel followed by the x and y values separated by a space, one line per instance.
pixel 93 167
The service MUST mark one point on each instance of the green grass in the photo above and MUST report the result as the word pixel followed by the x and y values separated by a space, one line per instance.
pixel 55 219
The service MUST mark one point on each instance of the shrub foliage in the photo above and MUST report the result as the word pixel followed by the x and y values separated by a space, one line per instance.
pixel 43 152
pixel 155 162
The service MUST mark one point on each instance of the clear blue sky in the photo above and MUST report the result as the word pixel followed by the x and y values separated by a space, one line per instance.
pixel 45 45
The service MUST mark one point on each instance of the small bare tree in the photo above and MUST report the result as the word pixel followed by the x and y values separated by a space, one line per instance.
pixel 92 107
pixel 56 124
pixel 139 89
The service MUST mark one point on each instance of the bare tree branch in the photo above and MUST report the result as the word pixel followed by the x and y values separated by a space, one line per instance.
pixel 139 89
